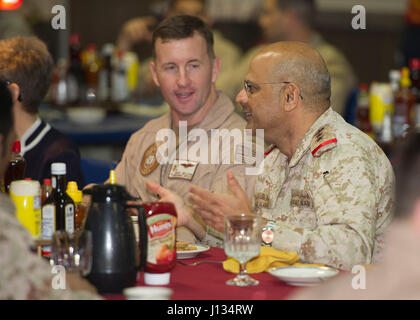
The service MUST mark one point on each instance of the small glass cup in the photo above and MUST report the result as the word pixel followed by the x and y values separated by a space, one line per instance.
pixel 72 251
pixel 242 242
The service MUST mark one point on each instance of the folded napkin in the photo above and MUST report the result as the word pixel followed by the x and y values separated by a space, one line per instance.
pixel 268 258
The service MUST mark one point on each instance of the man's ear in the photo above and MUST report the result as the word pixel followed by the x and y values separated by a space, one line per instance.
pixel 154 73
pixel 291 97
pixel 216 68
pixel 15 91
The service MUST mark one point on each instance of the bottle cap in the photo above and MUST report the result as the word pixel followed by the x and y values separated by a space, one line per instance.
pixel 73 192
pixel 16 146
pixel 58 168
pixel 157 279
pixel 47 182
pixel 112 177
pixel 28 179
pixel 363 87
pixel 414 63
pixel 405 77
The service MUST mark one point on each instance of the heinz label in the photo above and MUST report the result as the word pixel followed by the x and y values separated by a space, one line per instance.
pixel 161 239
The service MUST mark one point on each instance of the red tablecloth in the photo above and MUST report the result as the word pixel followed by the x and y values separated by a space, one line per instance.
pixel 207 282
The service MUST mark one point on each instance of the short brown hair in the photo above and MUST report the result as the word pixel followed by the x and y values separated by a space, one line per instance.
pixel 181 27
pixel 27 62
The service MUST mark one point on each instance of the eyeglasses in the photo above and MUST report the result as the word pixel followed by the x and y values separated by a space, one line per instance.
pixel 250 86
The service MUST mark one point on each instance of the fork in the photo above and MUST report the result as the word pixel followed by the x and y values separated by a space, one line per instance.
pixel 197 262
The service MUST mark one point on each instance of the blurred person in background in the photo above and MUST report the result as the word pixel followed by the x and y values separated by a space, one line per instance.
pixel 26 65
pixel 140 29
pixel 410 42
pixel 24 275
pixel 293 20
pixel 398 275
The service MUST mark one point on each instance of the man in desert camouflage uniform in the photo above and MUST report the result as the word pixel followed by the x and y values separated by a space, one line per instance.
pixel 326 189
pixel 24 275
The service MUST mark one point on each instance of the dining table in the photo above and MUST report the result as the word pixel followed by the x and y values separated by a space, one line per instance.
pixel 207 281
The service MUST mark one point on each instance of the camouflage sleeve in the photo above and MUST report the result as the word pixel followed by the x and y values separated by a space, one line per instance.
pixel 24 275
pixel 344 193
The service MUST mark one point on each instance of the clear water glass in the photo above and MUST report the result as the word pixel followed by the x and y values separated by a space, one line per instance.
pixel 242 242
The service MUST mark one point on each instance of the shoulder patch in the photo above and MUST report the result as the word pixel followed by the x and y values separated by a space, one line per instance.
pixel 323 140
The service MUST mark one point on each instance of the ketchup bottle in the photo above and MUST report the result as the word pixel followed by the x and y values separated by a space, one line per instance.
pixel 161 220
pixel 16 168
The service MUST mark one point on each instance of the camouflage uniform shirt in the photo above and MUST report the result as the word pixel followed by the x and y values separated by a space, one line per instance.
pixel 24 275
pixel 332 201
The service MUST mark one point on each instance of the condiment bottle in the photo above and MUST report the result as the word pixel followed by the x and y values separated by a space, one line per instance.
pixel 362 118
pixel 16 167
pixel 161 220
pixel 58 208
pixel 404 116
pixel 46 190
pixel 76 195
pixel 415 87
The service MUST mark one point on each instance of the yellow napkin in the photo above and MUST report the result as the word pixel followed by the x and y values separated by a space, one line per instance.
pixel 268 258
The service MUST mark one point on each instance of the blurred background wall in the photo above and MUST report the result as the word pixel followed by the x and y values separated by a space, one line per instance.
pixel 372 52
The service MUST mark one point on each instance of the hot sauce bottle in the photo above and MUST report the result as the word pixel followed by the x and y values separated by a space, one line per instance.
pixel 161 220
pixel 16 168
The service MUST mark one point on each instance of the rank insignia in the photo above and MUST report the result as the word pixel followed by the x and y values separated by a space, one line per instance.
pixel 323 140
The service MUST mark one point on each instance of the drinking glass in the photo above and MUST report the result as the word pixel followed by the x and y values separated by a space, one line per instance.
pixel 72 251
pixel 242 242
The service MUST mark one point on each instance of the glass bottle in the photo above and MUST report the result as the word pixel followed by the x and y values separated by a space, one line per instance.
pixel 415 88
pixel 16 167
pixel 403 118
pixel 75 76
pixel 76 195
pixel 46 190
pixel 58 208
pixel 362 114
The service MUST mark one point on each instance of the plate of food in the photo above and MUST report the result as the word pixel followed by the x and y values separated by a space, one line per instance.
pixel 302 275
pixel 188 250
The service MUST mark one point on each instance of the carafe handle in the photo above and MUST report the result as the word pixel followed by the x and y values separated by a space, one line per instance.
pixel 143 236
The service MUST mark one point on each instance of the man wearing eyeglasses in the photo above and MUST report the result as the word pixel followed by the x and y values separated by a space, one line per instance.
pixel 326 189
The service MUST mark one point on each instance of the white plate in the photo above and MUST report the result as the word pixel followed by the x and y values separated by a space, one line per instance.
pixel 147 293
pixel 303 276
pixel 188 254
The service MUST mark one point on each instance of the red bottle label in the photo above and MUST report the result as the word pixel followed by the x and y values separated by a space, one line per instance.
pixel 161 239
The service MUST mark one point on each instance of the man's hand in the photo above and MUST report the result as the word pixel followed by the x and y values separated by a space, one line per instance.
pixel 184 212
pixel 213 207
pixel 86 199
pixel 134 31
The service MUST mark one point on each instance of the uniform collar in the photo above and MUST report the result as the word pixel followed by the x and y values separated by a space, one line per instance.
pixel 33 135
pixel 305 143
